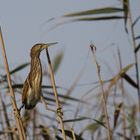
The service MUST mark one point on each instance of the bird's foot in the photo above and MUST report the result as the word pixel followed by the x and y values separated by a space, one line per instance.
pixel 20 108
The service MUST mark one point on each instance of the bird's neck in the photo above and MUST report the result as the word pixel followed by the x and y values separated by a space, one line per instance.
pixel 36 64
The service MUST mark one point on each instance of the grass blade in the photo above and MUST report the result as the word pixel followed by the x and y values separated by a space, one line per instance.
pixel 98 18
pixel 106 10
pixel 137 48
pixel 130 80
pixel 117 113
pixel 57 61
pixel 134 23
pixel 138 37
pixel 119 75
pixel 125 7
pixel 20 67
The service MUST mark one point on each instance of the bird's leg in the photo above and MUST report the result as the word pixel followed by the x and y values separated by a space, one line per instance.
pixel 17 111
pixel 20 108
pixel 46 105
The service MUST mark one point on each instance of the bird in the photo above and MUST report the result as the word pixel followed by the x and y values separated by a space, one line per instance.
pixel 31 91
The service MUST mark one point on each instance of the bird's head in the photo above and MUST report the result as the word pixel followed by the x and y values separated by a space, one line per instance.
pixel 37 48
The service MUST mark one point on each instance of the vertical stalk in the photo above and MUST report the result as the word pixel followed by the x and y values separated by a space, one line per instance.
pixel 73 134
pixel 135 54
pixel 93 49
pixel 19 123
pixel 10 135
pixel 59 112
pixel 6 121
pixel 123 92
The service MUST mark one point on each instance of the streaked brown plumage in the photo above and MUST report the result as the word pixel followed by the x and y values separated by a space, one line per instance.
pixel 32 86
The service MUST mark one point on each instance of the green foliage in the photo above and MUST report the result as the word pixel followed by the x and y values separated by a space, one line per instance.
pixel 117 114
pixel 126 10
pixel 15 70
pixel 106 10
pixel 106 13
pixel 92 127
pixel 57 61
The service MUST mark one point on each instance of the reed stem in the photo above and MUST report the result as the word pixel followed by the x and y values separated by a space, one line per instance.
pixel 109 134
pixel 19 123
pixel 59 109
pixel 135 54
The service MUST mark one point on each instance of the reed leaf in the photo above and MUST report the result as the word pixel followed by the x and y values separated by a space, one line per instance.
pixel 57 61
pixel 137 48
pixel 126 9
pixel 117 114
pixel 105 10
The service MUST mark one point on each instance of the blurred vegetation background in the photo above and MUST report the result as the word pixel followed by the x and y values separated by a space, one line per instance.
pixel 109 108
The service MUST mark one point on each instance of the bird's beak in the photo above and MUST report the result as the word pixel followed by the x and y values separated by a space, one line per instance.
pixel 45 46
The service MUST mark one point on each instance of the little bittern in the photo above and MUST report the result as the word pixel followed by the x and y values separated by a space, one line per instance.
pixel 32 86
